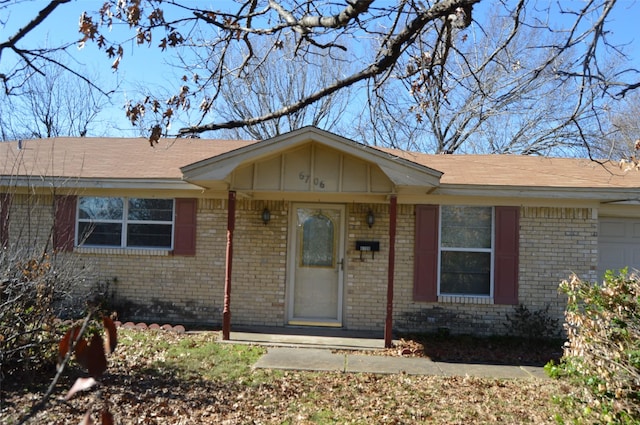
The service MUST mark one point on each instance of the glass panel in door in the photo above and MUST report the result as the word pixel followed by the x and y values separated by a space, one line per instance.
pixel 317 266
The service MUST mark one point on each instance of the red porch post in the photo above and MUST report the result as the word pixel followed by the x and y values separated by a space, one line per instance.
pixel 231 224
pixel 388 326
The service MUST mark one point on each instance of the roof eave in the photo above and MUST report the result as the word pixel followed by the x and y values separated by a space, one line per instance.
pixel 110 183
pixel 609 194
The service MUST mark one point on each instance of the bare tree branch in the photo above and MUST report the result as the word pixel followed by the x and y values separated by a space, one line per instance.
pixel 42 15
pixel 388 57
pixel 11 43
pixel 438 68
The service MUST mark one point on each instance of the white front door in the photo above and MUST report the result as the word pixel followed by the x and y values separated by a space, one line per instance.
pixel 316 265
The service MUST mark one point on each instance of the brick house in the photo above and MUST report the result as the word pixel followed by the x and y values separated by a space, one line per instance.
pixel 312 229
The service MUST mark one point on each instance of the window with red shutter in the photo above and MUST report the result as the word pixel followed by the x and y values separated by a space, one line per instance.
pixel 147 223
pixel 114 222
pixel 466 250
pixel 455 250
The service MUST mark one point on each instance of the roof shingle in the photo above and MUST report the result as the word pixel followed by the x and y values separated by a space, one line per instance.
pixel 133 158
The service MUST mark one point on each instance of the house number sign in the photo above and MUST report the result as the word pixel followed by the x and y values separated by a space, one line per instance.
pixel 306 177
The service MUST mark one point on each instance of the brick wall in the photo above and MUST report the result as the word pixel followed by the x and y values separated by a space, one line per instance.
pixel 554 242
pixel 366 275
pixel 31 220
pixel 191 289
pixel 159 287
pixel 259 264
pixel 30 229
pixel 166 288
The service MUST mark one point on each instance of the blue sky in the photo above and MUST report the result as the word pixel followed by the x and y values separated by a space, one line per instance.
pixel 142 66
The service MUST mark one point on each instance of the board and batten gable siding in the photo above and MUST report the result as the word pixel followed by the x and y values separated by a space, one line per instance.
pixel 311 168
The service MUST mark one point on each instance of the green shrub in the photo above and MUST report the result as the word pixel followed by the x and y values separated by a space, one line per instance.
pixel 603 349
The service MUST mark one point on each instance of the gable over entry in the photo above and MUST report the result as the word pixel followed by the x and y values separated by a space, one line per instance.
pixel 310 165
pixel 311 160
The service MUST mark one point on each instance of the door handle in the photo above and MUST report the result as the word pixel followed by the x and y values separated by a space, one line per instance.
pixel 341 262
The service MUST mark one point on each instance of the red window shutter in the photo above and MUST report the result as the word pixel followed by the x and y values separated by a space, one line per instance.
pixel 425 286
pixel 184 241
pixel 5 205
pixel 64 226
pixel 507 241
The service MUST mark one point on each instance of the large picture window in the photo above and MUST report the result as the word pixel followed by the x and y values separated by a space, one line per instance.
pixel 125 222
pixel 466 250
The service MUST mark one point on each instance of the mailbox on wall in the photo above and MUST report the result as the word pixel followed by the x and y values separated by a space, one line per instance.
pixel 367 246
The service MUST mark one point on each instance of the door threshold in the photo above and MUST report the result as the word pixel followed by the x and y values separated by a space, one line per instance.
pixel 317 323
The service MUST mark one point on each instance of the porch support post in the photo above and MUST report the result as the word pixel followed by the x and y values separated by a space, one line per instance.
pixel 231 224
pixel 388 326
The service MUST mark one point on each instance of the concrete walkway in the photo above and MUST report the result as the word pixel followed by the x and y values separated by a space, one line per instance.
pixel 340 340
pixel 318 353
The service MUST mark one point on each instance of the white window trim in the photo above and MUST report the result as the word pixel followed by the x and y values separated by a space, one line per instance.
pixel 124 222
pixel 456 298
pixel 161 252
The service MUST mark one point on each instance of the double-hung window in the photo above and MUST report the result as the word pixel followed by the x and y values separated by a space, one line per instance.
pixel 125 222
pixel 466 250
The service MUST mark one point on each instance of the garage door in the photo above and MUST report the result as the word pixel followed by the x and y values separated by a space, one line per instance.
pixel 618 244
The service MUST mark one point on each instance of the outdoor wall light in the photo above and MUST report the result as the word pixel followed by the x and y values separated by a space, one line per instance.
pixel 266 216
pixel 370 218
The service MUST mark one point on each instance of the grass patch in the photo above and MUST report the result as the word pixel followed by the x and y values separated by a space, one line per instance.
pixel 202 356
pixel 322 416
pixel 196 356
pixel 163 377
